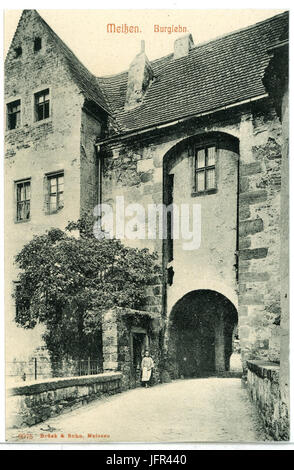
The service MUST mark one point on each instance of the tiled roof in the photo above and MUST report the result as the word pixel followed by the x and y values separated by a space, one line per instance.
pixel 84 79
pixel 226 70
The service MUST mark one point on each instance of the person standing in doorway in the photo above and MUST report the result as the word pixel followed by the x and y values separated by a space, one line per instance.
pixel 147 365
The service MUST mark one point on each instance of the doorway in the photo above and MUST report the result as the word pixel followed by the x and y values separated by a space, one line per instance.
pixel 201 329
pixel 139 344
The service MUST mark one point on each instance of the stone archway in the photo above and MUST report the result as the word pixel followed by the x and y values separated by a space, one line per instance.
pixel 211 261
pixel 200 332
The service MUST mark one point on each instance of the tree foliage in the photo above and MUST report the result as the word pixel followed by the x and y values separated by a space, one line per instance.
pixel 68 278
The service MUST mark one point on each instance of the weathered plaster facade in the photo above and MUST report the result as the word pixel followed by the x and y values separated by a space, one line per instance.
pixel 62 142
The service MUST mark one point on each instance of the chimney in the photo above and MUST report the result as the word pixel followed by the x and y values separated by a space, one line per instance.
pixel 182 46
pixel 139 77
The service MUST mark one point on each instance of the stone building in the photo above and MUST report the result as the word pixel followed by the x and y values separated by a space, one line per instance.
pixel 55 111
pixel 197 128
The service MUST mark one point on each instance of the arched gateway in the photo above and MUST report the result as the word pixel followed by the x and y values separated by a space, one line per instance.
pixel 201 326
pixel 201 172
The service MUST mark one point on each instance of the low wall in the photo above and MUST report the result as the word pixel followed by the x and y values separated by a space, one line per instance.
pixel 264 390
pixel 35 402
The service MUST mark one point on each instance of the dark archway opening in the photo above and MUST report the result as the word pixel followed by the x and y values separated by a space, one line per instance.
pixel 201 334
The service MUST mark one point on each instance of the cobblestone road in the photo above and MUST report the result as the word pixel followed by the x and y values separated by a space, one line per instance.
pixel 196 410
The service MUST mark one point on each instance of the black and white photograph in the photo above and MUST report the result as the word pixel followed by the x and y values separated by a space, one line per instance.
pixel 146 226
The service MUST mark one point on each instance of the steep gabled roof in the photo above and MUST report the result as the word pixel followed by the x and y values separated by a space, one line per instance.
pixel 226 70
pixel 84 79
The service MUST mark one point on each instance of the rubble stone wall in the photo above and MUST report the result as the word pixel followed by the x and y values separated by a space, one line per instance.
pixel 259 236
pixel 264 390
pixel 33 403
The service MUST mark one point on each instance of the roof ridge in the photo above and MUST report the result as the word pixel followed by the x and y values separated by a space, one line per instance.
pixel 209 41
pixel 60 42
pixel 201 82
pixel 109 104
pixel 12 39
pixel 245 28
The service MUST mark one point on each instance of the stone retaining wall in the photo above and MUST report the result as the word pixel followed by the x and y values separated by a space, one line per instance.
pixel 264 390
pixel 33 403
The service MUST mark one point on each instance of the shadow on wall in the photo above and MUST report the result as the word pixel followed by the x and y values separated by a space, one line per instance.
pixel 200 334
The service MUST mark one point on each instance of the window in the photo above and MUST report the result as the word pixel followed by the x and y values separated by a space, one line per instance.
pixel 55 192
pixel 37 44
pixel 13 115
pixel 42 105
pixel 205 169
pixel 23 200
pixel 17 52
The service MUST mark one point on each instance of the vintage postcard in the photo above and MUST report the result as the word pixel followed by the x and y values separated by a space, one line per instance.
pixel 146 226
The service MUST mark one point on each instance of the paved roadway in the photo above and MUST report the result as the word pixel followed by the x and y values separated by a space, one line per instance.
pixel 195 410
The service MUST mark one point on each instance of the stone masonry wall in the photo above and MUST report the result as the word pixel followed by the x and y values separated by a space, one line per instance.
pixel 132 378
pixel 133 169
pixel 31 404
pixel 117 327
pixel 211 265
pixel 263 388
pixel 259 234
pixel 284 257
pixel 35 149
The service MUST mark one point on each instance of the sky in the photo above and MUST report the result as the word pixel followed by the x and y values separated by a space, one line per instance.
pixel 103 53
